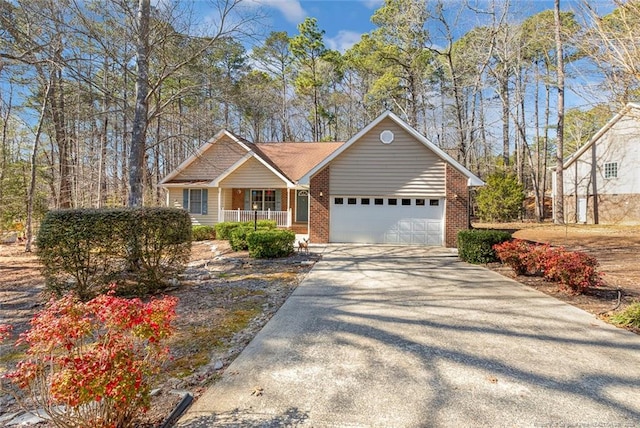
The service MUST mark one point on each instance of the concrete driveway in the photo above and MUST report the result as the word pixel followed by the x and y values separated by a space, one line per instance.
pixel 411 337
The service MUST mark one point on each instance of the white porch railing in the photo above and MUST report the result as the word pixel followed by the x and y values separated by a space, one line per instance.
pixel 282 218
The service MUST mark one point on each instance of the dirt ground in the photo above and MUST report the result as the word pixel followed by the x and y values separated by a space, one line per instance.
pixel 617 249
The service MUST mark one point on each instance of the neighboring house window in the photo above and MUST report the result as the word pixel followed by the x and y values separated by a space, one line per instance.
pixel 195 200
pixel 611 170
pixel 263 199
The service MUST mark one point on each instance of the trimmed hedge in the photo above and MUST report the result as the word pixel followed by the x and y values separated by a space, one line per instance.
pixel 86 250
pixel 224 229
pixel 476 245
pixel 203 233
pixel 267 244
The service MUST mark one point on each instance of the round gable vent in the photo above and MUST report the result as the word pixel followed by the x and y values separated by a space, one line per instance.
pixel 386 136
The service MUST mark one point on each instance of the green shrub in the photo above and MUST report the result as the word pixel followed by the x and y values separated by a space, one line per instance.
pixel 238 239
pixel 501 199
pixel 630 317
pixel 224 229
pixel 267 244
pixel 203 233
pixel 476 245
pixel 85 250
pixel 264 224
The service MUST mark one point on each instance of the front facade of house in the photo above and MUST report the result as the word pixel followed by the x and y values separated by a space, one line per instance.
pixel 387 184
pixel 602 179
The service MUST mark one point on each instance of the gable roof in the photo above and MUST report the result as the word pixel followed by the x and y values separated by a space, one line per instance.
pixel 200 152
pixel 288 161
pixel 472 179
pixel 574 157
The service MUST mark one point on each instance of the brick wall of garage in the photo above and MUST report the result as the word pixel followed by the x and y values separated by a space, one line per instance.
pixel 457 206
pixel 319 207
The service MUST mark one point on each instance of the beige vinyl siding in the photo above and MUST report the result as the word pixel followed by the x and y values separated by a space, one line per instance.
pixel 214 161
pixel 404 167
pixel 175 201
pixel 227 198
pixel 252 174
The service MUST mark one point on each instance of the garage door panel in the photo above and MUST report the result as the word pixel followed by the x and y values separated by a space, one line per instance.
pixel 392 224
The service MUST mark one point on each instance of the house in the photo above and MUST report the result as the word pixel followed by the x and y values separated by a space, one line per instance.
pixel 601 181
pixel 387 184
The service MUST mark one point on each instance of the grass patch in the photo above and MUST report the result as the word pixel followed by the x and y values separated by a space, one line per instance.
pixel 629 317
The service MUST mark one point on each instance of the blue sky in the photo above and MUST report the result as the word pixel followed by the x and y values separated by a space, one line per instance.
pixel 346 20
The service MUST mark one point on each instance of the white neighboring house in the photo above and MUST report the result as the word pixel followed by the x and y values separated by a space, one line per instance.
pixel 602 179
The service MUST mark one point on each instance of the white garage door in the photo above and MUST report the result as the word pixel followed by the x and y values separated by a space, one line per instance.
pixel 374 220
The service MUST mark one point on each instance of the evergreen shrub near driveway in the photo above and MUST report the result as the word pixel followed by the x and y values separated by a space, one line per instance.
pixel 85 250
pixel 476 245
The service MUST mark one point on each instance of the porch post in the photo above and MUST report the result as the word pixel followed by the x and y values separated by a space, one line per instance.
pixel 289 207
pixel 220 207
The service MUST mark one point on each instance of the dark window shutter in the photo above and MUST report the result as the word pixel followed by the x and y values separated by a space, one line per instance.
pixel 205 201
pixel 247 199
pixel 185 199
pixel 279 199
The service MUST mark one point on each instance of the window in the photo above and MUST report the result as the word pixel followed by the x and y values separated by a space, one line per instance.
pixel 611 170
pixel 352 201
pixel 263 199
pixel 378 201
pixel 392 202
pixel 195 200
pixel 338 201
pixel 406 202
pixel 434 202
pixel 420 202
pixel 364 201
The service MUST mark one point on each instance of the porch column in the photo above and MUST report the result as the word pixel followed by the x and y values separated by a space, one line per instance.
pixel 220 207
pixel 289 207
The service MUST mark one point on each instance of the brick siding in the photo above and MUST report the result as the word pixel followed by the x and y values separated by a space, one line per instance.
pixel 319 207
pixel 457 205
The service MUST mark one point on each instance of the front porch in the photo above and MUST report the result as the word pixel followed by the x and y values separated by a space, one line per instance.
pixel 288 207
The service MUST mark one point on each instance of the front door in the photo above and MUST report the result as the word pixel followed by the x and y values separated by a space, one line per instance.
pixel 582 210
pixel 302 206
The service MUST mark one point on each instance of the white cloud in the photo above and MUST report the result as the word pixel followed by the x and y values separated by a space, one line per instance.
pixel 343 40
pixel 373 4
pixel 291 9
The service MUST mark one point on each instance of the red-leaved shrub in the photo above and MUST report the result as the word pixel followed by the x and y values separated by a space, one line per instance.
pixel 91 364
pixel 574 271
pixel 523 257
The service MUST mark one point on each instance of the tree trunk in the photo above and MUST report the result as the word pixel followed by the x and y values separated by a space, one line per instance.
pixel 139 128
pixel 34 157
pixel 559 195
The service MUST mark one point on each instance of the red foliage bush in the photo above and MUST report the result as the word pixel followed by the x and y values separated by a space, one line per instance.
pixel 574 271
pixel 96 359
pixel 523 257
